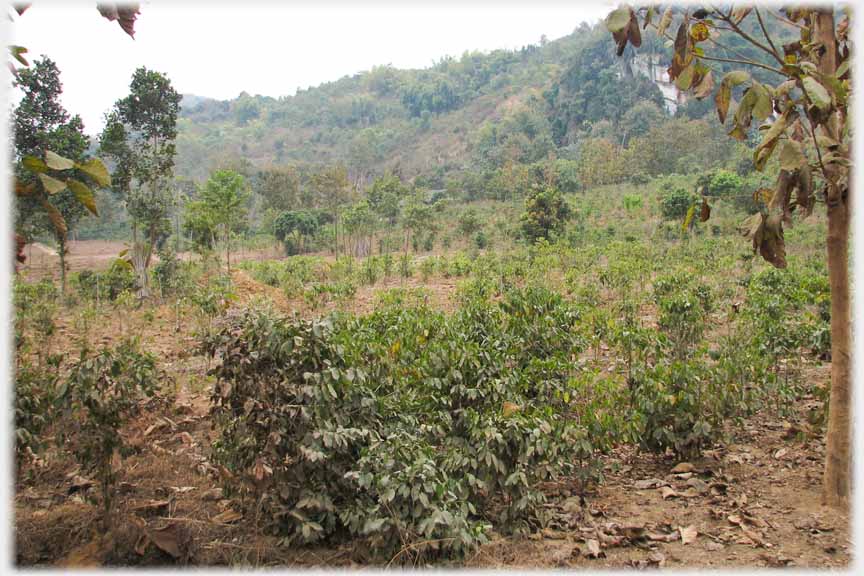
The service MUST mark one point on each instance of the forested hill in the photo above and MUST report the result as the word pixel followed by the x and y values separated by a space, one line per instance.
pixel 478 123
pixel 414 121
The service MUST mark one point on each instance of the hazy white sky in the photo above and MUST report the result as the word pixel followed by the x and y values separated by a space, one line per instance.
pixel 220 49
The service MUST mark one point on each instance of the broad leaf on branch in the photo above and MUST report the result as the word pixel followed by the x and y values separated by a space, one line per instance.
pixel 724 94
pixel 57 162
pixel 804 197
pixel 84 195
pixel 665 20
pixel 769 139
pixel 52 185
pixel 55 217
pixel 96 170
pixel 768 239
pixel 791 156
pixel 618 19
pixel 816 92
pixel 124 14
pixel 704 86
pixel 33 164
pixel 17 53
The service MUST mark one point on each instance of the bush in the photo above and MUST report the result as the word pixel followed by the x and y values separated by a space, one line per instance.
pixel 167 272
pixel 469 222
pixel 481 241
pixel 675 202
pixel 119 278
pixel 546 213
pixel 408 427
pixel 104 390
pixel 35 400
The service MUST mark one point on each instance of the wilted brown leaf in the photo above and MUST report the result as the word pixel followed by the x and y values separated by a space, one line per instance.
pixel 682 468
pixel 167 539
pixel 705 212
pixel 666 492
pixel 124 14
pixel 227 517
pixel 594 550
pixel 688 534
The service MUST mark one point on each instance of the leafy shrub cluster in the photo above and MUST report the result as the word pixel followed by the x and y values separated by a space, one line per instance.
pixel 675 202
pixel 119 278
pixel 104 390
pixel 408 426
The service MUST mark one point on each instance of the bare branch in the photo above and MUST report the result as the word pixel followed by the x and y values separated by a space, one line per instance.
pixel 786 20
pixel 764 31
pixel 745 62
pixel 737 29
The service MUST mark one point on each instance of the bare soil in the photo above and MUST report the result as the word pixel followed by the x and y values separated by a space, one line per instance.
pixel 754 501
pixel 43 262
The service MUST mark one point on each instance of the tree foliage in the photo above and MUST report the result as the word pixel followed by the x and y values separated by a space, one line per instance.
pixel 546 213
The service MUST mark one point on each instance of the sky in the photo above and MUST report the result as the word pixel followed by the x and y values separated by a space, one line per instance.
pixel 221 49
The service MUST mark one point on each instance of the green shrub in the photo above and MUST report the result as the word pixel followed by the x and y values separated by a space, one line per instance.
pixel 35 400
pixel 407 426
pixel 675 202
pixel 481 241
pixel 104 390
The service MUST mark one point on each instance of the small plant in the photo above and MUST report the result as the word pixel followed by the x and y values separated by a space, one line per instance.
pixel 405 266
pixel 481 241
pixel 35 400
pixel 105 390
pixel 369 270
pixel 427 268
pixel 632 202
pixel 387 264
pixel 675 202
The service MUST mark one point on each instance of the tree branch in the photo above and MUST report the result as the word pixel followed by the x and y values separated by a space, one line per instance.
pixel 745 62
pixel 764 31
pixel 737 29
pixel 780 18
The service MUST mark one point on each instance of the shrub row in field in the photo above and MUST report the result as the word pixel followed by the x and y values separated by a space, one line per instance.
pixel 406 425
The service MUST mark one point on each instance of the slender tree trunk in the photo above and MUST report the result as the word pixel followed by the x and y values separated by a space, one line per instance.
pixel 228 250
pixel 838 459
pixel 139 263
pixel 61 244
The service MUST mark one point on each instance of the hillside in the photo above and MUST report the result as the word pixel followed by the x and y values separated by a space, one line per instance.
pixel 413 121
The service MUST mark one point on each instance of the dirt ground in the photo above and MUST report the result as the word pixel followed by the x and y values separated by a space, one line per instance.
pixel 43 262
pixel 753 502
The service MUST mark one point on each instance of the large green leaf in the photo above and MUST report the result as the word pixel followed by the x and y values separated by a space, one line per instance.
pixel 52 185
pixel 57 162
pixel 84 195
pixel 791 156
pixel 33 164
pixel 96 170
pixel 685 79
pixel 762 106
pixel 618 19
pixel 816 92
